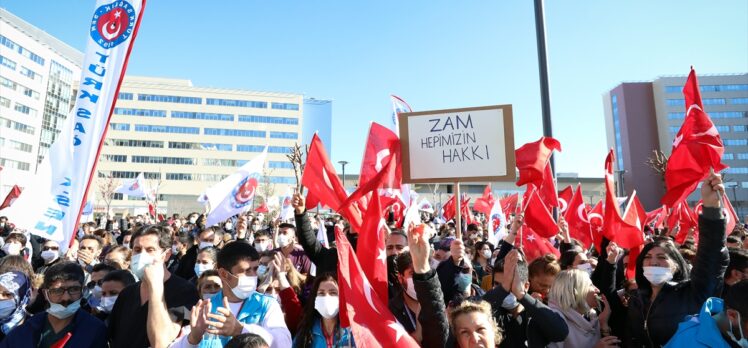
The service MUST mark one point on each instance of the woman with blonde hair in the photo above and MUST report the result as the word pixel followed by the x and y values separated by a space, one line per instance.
pixel 573 296
pixel 473 325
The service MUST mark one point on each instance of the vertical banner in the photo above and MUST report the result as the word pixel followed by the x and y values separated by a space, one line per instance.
pixel 52 206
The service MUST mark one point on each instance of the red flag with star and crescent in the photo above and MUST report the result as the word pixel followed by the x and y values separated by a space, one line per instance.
pixel 373 257
pixel 576 217
pixel 697 148
pixel 484 203
pixel 534 245
pixel 537 215
pixel 382 146
pixel 596 224
pixel 371 321
pixel 625 230
pixel 564 198
pixel 509 203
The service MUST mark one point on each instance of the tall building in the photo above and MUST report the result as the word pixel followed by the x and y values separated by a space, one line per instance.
pixel 36 94
pixel 186 138
pixel 641 117
pixel 318 119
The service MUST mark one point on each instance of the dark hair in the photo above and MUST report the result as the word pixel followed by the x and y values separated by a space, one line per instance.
pixel 567 259
pixel 262 233
pixel 738 261
pixel 185 238
pixel 17 263
pixel 63 271
pixel 472 227
pixel 304 334
pixel 163 235
pixel 399 233
pixel 232 253
pixel 18 237
pixel 103 267
pixel 247 340
pixel 122 276
pixel 478 246
pixel 546 264
pixel 217 232
pixel 286 225
pixel 403 261
pixel 733 239
pixel 681 272
pixel 96 238
pixel 737 298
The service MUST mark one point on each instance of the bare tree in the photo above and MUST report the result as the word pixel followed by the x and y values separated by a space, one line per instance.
pixel 106 188
pixel 658 163
pixel 267 187
pixel 297 161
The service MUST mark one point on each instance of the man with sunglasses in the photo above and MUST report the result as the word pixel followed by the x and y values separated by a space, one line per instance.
pixel 64 323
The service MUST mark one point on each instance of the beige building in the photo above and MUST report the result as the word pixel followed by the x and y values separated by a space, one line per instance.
pixel 186 138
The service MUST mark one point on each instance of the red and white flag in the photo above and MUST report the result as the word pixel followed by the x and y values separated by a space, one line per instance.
pixel 576 217
pixel 371 251
pixel 382 146
pixel 235 194
pixel 14 193
pixel 626 231
pixel 496 223
pixel 51 207
pixel 547 191
pixel 564 197
pixel 134 188
pixel 534 245
pixel 532 158
pixel 537 215
pixel 484 204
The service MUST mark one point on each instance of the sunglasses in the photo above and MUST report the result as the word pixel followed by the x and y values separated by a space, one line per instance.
pixel 54 248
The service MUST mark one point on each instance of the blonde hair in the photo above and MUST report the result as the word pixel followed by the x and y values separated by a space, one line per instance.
pixel 467 307
pixel 570 289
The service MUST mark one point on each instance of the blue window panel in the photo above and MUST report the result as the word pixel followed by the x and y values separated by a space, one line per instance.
pixel 234 132
pixel 739 101
pixel 735 142
pixel 737 170
pixel 7 62
pixel 170 99
pixel 676 115
pixel 285 106
pixel 202 116
pixel 119 126
pixel 166 129
pixel 675 102
pixel 124 96
pixel 282 180
pixel 284 135
pixel 727 156
pixel 139 112
pixel 710 88
pixel 713 101
pixel 740 128
pixel 216 147
pixel 280 165
pixel 237 103
pixel 268 119
pixel 259 148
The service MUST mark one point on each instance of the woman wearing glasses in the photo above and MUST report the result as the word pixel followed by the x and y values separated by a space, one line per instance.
pixel 64 324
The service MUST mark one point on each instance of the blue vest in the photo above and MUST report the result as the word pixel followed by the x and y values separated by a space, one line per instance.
pixel 252 311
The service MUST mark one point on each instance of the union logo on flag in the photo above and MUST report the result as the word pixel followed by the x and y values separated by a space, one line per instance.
pixel 244 193
pixel 113 24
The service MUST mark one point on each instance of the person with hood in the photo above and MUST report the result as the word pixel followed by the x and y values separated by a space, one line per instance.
pixel 15 294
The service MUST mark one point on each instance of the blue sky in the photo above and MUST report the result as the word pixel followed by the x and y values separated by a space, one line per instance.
pixel 434 54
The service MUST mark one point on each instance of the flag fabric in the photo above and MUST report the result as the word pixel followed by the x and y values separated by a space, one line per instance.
pixel 399 106
pixel 534 245
pixel 537 215
pixel 684 218
pixel 372 324
pixel 547 191
pixel 11 197
pixel 655 218
pixel 564 197
pixel 532 158
pixel 509 203
pixel 287 210
pixel 412 215
pixel 448 209
pixel 133 188
pixel 263 208
pixel 730 216
pixel 576 218
pixel 597 224
pixel 235 194
pixel 382 146
pixel 322 234
pixel 496 223
pixel 51 207
pixel 697 148
pixel 622 230
pixel 372 254
pixel 426 206
pixel 467 214
pixel 484 204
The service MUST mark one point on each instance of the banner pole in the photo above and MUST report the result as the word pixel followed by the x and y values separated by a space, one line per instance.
pixel 458 208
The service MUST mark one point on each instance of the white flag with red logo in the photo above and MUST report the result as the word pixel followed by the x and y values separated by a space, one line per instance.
pixel 235 194
pixel 134 187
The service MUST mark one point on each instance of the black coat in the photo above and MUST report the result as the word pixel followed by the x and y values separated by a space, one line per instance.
pixel 433 317
pixel 653 324
pixel 326 259
pixel 186 267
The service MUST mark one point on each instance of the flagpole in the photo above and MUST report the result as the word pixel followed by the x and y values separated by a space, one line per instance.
pixel 458 211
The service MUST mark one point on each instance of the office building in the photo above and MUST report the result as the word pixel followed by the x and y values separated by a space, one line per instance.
pixel 318 119
pixel 641 117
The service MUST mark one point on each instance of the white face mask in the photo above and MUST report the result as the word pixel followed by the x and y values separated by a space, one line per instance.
pixel 410 289
pixel 200 268
pixel 49 256
pixel 283 240
pixel 585 267
pixel 658 275
pixel 107 303
pixel 7 307
pixel 245 287
pixel 262 269
pixel 203 245
pixel 193 220
pixel 327 306
pixel 12 248
pixel 510 302
pixel 743 341
pixel 486 254
pixel 174 249
pixel 138 263
pixel 61 312
pixel 228 226
pixel 261 246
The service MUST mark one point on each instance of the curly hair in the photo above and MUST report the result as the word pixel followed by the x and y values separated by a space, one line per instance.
pixel 468 307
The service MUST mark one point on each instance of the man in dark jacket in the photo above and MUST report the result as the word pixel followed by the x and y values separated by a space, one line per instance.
pixel 325 259
pixel 64 321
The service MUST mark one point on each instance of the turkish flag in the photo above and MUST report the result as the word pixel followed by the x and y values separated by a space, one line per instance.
pixel 683 217
pixel 382 146
pixel 151 210
pixel 697 148
pixel 626 231
pixel 532 158
pixel 11 197
pixel 537 215
pixel 633 255
pixel 449 208
pixel 484 203
pixel 730 215
pixel 596 224
pixel 371 252
pixel 323 184
pixel 576 217
pixel 657 217
pixel 394 203
pixel 509 203
pixel 371 321
pixel 263 208
pixel 564 198
pixel 465 212
pixel 534 245
pixel 548 189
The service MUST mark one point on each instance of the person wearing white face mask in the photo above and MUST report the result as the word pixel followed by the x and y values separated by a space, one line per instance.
pixel 111 285
pixel 50 253
pixel 15 294
pixel 150 312
pixel 287 245
pixel 666 292
pixel 238 308
pixel 262 241
pixel 62 288
pixel 206 260
pixel 320 319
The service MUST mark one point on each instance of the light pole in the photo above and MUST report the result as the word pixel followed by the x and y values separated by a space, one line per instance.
pixel 734 188
pixel 343 163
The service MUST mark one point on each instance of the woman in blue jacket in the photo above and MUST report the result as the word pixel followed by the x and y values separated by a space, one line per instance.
pixel 320 327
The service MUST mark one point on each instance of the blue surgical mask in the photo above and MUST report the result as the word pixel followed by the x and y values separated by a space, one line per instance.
pixel 200 268
pixel 7 307
pixel 63 312
pixel 463 281
pixel 743 341
pixel 262 269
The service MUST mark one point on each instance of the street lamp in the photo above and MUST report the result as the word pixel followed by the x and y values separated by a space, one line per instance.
pixel 734 188
pixel 343 163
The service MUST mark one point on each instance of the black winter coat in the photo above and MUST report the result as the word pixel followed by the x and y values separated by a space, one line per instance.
pixel 325 259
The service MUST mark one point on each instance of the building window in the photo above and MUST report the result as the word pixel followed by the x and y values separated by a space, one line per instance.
pixel 739 101
pixel 21 127
pixel 139 112
pixel 237 103
pixel 25 110
pixel 740 128
pixel 728 156
pixel 743 156
pixel 8 163
pixel 119 126
pixel 179 176
pixel 166 129
pixel 21 50
pixel 285 106
pixel 164 160
pixel 124 96
pixel 282 180
pixel 14 145
pixel 723 129
pixel 202 116
pixel 134 143
pixel 737 170
pixel 217 162
pixel 284 135
pixel 199 146
pixel 710 88
pixel 259 148
pixel 234 132
pixel 735 142
pixel 169 99
pixel 617 130
pixel 7 62
pixel 714 101
pixel 280 165
pixel 117 174
pixel 30 73
pixel 675 102
pixel 268 119
pixel 729 114
pixel 674 129
pixel 115 158
pixel 5 102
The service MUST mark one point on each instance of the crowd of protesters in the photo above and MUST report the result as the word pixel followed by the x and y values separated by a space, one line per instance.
pixel 260 282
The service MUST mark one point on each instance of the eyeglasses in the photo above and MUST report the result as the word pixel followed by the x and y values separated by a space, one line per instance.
pixel 73 291
pixel 50 248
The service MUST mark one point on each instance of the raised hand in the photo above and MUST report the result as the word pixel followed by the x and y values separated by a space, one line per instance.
pixel 457 251
pixel 510 264
pixel 224 323
pixel 418 244
pixel 199 321
pixel 241 227
pixel 711 191
pixel 298 203
pixel 614 252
